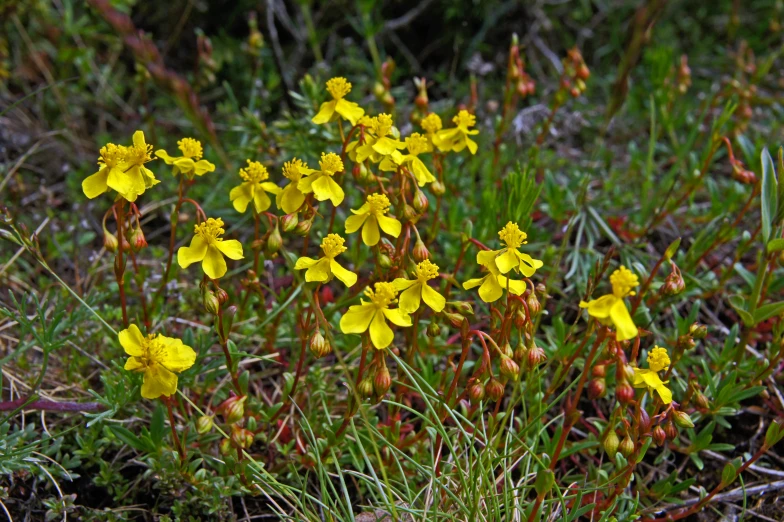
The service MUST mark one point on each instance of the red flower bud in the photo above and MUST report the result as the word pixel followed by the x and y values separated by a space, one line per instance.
pixel 494 389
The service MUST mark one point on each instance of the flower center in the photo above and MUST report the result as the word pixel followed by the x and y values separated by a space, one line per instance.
pixel 622 281
pixel 330 163
pixel 658 359
pixel 338 87
pixel 512 235
pixel 416 144
pixel 254 172
pixel 332 245
pixel 190 148
pixel 291 169
pixel 383 296
pixel 210 230
pixel 426 270
pixel 383 125
pixel 138 155
pixel 378 203
pixel 112 155
pixel 432 123
pixel 464 119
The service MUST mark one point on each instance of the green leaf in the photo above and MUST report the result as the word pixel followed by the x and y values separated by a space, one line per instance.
pixel 125 435
pixel 775 245
pixel 672 249
pixel 767 311
pixel 769 195
pixel 739 304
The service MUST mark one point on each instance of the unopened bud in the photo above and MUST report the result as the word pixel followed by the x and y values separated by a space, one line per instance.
pixel 437 188
pixel 659 436
pixel 241 438
pixel 274 241
pixel 319 346
pixel 519 318
pixel 536 356
pixel 682 419
pixel 534 307
pixel 628 373
pixel 365 387
pixel 382 381
pixel 509 368
pixel 454 318
pixel 225 447
pixel 673 284
pixel 463 307
pixel 420 201
pixel 494 389
pixel 597 388
pixel 384 261
pixel 204 424
pixel 303 227
pixel 611 443
pixel 671 431
pixel 698 331
pixel 433 329
pixel 289 222
pixel 600 370
pixel 506 350
pixel 420 251
pixel 685 342
pixel 110 241
pixel 210 302
pixel 624 393
pixel 701 400
pixel 410 213
pixel 476 392
pixel 233 408
pixel 222 295
pixel 137 240
pixel 644 421
pixel 583 72
pixel 626 447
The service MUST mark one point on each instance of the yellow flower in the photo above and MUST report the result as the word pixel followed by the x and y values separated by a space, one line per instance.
pixel 320 182
pixel 373 315
pixel 160 358
pixel 611 308
pixel 338 88
pixel 208 247
pixel 510 258
pixel 290 199
pixel 658 360
pixel 431 124
pixel 417 290
pixel 370 216
pixel 122 169
pixel 384 144
pixel 416 144
pixel 254 188
pixel 379 140
pixel 457 138
pixel 322 270
pixel 493 284
pixel 190 163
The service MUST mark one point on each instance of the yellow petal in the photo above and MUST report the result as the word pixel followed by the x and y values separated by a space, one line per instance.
pixel 240 196
pixel 133 364
pixel 353 223
pixel 390 225
pixel 131 339
pixel 158 381
pixel 349 110
pixel 528 265
pixel 319 272
pixel 624 326
pixel 490 290
pixel 95 185
pixel 128 184
pixel 507 261
pixel 202 167
pixel 370 233
pixel 289 199
pixel 347 277
pixel 357 319
pixel 213 264
pixel 473 283
pixel 325 188
pixel 472 146
pixel 397 316
pixel 193 253
pixel 230 248
pixel 387 146
pixel 381 335
pixel 177 357
pixel 261 201
pixel 433 299
pixel 486 257
pixel 165 156
pixel 600 308
pixel 664 393
pixel 325 113
pixel 421 172
pixel 402 284
pixel 411 298
pixel 304 262
pixel 305 185
pixel 138 139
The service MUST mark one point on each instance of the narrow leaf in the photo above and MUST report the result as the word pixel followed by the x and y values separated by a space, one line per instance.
pixel 769 195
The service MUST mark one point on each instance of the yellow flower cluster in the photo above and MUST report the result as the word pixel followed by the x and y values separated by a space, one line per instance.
pixel 122 170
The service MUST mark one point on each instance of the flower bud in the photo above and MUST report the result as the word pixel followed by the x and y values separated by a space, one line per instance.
pixel 433 329
pixel 644 421
pixel 659 436
pixel 476 392
pixel 110 241
pixel 455 319
pixel 494 389
pixel 597 388
pixel 671 431
pixel 600 370
pixel 319 346
pixel 701 400
pixel 628 373
pixel 204 424
pixel 410 213
pixel 420 251
pixel 520 354
pixel 137 240
pixel 210 302
pixel 624 393
pixel 420 201
pixel 673 284
pixel 303 227
pixel 384 261
pixel 509 368
pixel 225 447
pixel 682 419
pixel 698 331
pixel 274 241
pixel 233 408
pixel 437 188
pixel 536 356
pixel 611 443
pixel 289 222
pixel 519 318
pixel 506 350
pixel 626 447
pixel 583 72
pixel 534 307
pixel 382 381
pixel 222 295
pixel 365 387
pixel 685 342
pixel 241 437
pixel 463 307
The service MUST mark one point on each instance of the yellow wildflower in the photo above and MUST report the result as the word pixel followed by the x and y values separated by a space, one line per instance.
pixel 338 88
pixel 417 290
pixel 457 138
pixel 290 199
pixel 190 163
pixel 254 188
pixel 122 169
pixel 510 258
pixel 658 360
pixel 373 315
pixel 493 284
pixel 416 144
pixel 208 247
pixel 370 216
pixel 320 182
pixel 384 144
pixel 322 270
pixel 160 358
pixel 611 309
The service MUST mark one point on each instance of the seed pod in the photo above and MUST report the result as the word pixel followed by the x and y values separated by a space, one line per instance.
pixel 137 240
pixel 611 443
pixel 433 329
pixel 204 424
pixel 420 201
pixel 222 295
pixel 534 307
pixel 476 392
pixel 437 188
pixel 210 302
pixel 509 368
pixel 289 222
pixel 644 420
pixel 233 408
pixel 303 227
pixel 494 389
pixel 454 318
pixel 536 355
pixel 274 241
pixel 420 251
pixel 382 381
pixel 624 393
pixel 682 419
pixel 597 388
pixel 365 387
pixel 319 346
pixel 671 431
pixel 384 261
pixel 626 447
pixel 659 436
pixel 110 242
